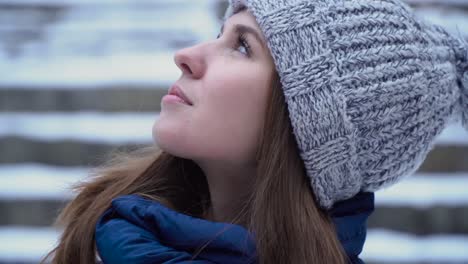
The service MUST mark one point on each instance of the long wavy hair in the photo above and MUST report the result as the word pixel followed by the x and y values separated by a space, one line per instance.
pixel 281 210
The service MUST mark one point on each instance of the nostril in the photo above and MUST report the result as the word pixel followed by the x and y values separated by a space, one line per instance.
pixel 186 68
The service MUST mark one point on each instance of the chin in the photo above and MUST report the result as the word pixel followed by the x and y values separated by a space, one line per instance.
pixel 154 132
pixel 168 141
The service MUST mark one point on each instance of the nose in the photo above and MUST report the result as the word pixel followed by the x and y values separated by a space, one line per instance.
pixel 191 61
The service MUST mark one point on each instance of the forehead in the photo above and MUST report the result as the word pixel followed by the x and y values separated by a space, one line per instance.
pixel 243 17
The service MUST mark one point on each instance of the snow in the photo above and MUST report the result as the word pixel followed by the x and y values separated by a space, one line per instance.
pixel 93 46
pixel 37 181
pixel 453 134
pixel 26 243
pixel 88 47
pixel 130 127
pixel 441 2
pixel 89 72
pixel 30 244
pixel 455 20
pixel 384 245
pixel 424 190
pixel 94 2
pixel 100 43
pixel 117 128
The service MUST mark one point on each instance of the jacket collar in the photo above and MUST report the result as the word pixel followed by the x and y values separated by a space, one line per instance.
pixel 161 231
pixel 350 219
pixel 228 243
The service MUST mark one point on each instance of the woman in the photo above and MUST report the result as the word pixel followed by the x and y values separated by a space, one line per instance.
pixel 288 122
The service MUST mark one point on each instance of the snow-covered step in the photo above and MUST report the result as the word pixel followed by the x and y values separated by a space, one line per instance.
pixel 33 194
pixel 143 31
pixel 37 181
pixel 79 138
pixel 114 98
pixel 453 3
pixel 66 152
pixel 421 190
pixel 424 190
pixel 435 219
pixel 106 41
pixel 28 245
pixel 100 2
pixel 88 72
pixel 417 204
pixel 453 134
pixel 58 153
pixel 96 43
pixel 21 244
pixel 116 128
pixel 146 2
pixel 383 246
pixel 424 203
pixel 120 127
pixel 455 19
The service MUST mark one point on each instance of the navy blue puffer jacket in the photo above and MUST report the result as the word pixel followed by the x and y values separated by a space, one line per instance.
pixel 139 231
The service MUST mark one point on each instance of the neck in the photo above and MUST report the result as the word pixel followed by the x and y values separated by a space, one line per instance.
pixel 229 189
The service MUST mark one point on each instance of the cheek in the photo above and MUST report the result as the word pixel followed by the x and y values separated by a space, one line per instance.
pixel 232 116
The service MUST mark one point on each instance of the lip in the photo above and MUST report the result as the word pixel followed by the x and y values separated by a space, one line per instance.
pixel 177 91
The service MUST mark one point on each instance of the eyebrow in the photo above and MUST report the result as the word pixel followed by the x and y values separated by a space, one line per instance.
pixel 240 29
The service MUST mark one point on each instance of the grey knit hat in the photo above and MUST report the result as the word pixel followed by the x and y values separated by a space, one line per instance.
pixel 368 87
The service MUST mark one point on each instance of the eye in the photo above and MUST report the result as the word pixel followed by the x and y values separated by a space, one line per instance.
pixel 241 43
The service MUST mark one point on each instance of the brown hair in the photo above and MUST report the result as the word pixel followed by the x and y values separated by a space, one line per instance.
pixel 289 227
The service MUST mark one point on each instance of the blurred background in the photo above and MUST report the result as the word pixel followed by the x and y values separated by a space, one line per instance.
pixel 80 78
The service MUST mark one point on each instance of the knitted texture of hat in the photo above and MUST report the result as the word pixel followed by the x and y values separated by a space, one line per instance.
pixel 368 86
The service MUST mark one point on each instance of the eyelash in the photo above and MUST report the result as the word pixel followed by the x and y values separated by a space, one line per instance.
pixel 241 40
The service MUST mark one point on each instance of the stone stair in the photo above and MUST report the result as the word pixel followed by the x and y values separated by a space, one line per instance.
pixel 46 140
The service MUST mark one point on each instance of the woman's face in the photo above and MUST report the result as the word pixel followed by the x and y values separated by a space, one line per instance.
pixel 227 80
